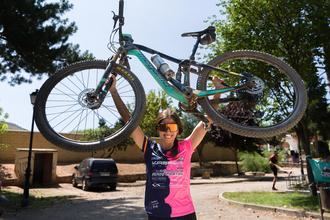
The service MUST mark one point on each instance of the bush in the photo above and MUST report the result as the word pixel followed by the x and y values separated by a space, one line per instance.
pixel 281 154
pixel 254 162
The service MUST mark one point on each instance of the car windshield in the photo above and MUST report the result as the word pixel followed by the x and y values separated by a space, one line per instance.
pixel 104 166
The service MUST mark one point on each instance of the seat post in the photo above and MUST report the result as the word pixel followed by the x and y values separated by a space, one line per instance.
pixel 192 56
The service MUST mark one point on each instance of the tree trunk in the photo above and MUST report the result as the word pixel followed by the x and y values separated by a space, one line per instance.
pixel 200 155
pixel 300 154
pixel 304 137
pixel 326 49
pixel 234 149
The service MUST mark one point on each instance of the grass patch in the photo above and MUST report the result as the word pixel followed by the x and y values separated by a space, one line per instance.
pixel 37 202
pixel 293 200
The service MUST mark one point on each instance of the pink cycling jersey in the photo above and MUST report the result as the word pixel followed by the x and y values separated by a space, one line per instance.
pixel 168 180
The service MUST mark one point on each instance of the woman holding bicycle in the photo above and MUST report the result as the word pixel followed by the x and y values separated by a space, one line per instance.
pixel 168 164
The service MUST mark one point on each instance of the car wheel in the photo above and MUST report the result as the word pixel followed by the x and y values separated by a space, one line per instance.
pixel 85 185
pixel 113 186
pixel 74 182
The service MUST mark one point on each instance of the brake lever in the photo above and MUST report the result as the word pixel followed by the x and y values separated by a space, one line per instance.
pixel 115 18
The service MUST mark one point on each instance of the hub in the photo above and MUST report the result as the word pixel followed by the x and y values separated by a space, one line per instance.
pixel 88 99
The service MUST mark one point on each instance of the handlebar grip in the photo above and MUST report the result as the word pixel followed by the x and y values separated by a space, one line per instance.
pixel 121 8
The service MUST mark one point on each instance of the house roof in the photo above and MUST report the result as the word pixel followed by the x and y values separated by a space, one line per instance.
pixel 14 127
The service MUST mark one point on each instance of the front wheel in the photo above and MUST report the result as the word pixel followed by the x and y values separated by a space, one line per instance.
pixel 67 116
pixel 274 101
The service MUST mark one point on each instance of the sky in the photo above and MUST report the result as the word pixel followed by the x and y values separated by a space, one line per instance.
pixel 157 24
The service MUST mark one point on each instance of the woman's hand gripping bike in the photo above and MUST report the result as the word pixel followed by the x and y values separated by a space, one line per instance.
pixel 75 111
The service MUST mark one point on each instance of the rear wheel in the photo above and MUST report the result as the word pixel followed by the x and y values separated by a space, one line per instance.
pixel 66 114
pixel 273 103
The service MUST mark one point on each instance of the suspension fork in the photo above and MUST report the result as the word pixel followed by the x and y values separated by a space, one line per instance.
pixel 106 80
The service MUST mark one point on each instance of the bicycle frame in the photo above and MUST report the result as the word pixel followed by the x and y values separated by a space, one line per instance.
pixel 172 87
pixel 177 89
pixel 182 92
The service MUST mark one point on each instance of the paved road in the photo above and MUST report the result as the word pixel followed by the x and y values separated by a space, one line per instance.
pixel 127 203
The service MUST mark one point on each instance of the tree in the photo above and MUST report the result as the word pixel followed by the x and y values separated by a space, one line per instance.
pixel 279 27
pixel 156 102
pixel 292 30
pixel 34 39
pixel 3 125
pixel 102 131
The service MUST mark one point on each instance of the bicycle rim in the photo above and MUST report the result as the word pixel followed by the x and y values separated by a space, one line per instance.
pixel 66 118
pixel 274 104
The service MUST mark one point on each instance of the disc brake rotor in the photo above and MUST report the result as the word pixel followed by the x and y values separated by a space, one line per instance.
pixel 256 86
pixel 87 99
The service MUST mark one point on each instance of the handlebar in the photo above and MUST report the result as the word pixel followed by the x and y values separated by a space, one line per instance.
pixel 121 11
pixel 121 20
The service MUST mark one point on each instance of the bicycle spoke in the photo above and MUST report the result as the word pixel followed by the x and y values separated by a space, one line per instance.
pixel 275 102
pixel 66 94
pixel 67 107
pixel 69 87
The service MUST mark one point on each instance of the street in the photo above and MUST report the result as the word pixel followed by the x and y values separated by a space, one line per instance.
pixel 127 203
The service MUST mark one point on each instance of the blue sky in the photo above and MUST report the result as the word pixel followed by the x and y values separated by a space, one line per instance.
pixel 155 23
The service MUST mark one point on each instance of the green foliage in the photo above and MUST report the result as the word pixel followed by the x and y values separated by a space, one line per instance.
pixel 189 122
pixel 103 131
pixel 295 200
pixel 156 102
pixel 292 30
pixel 34 39
pixel 281 154
pixel 3 125
pixel 254 162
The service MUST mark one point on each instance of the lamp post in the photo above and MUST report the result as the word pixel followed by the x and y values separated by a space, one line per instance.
pixel 25 200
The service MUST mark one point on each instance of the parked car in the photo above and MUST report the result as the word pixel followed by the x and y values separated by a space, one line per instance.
pixel 96 172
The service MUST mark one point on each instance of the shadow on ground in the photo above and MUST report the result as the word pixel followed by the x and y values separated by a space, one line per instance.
pixel 72 207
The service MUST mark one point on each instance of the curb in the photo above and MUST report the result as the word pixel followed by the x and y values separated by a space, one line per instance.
pixel 290 212
pixel 238 180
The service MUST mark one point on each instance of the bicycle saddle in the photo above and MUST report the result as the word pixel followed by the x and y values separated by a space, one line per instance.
pixel 206 36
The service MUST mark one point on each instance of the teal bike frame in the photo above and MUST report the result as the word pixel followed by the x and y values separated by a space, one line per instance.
pixel 176 88
pixel 182 92
pixel 169 89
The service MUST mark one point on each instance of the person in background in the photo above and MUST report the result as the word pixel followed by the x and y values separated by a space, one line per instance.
pixel 273 163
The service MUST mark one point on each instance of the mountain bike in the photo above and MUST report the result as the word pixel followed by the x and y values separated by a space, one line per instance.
pixel 75 111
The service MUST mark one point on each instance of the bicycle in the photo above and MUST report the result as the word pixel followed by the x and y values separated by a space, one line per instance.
pixel 75 111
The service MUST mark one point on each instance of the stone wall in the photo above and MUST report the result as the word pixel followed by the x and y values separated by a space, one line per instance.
pixel 132 154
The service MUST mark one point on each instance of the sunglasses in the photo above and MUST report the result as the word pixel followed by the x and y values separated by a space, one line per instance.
pixel 166 127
